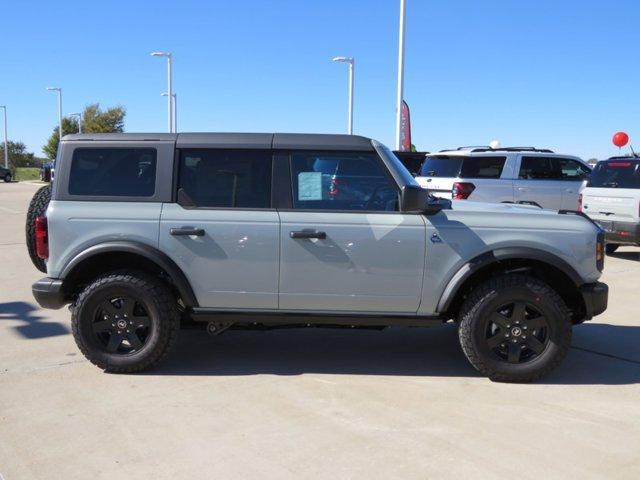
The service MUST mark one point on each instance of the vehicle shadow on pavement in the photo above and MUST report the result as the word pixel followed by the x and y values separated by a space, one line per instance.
pixel 400 352
pixel 626 255
pixel 33 327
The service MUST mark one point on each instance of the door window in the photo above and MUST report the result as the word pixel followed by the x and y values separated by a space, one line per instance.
pixel 226 178
pixel 540 168
pixel 341 181
pixel 572 169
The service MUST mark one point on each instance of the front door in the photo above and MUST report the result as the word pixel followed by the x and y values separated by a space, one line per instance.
pixel 345 247
pixel 223 233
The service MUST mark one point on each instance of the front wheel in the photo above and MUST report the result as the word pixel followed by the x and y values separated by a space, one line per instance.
pixel 514 328
pixel 7 178
pixel 125 322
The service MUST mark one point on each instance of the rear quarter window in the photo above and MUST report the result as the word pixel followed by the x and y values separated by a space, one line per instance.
pixel 113 172
pixel 482 167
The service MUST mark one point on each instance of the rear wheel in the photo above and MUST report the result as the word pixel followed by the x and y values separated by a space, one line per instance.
pixel 37 208
pixel 514 328
pixel 7 177
pixel 611 248
pixel 125 321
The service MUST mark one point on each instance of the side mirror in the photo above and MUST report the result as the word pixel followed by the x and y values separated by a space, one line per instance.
pixel 413 199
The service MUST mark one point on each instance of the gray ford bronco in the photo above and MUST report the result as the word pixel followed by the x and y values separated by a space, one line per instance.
pixel 148 233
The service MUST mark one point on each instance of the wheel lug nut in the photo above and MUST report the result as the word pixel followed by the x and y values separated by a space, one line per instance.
pixel 508 326
pixel 514 340
pixel 506 335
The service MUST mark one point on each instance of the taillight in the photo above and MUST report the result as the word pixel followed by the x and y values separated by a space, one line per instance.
pixel 580 202
pixel 42 238
pixel 600 242
pixel 462 190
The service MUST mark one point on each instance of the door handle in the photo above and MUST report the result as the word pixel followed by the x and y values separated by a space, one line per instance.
pixel 523 189
pixel 568 190
pixel 308 234
pixel 187 231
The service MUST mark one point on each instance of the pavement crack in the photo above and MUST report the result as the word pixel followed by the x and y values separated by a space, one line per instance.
pixel 609 355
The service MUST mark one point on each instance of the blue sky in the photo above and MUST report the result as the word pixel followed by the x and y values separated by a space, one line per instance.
pixel 563 74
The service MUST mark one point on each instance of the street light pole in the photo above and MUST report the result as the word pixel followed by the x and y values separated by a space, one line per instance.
pixel 79 115
pixel 59 90
pixel 6 141
pixel 351 62
pixel 169 86
pixel 399 97
pixel 175 110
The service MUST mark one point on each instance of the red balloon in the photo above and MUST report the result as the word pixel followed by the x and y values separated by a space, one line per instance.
pixel 620 139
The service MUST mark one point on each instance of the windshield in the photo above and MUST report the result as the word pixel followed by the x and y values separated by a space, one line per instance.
pixel 616 174
pixel 441 166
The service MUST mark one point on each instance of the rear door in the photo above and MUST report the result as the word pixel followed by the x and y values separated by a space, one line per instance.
pixel 486 178
pixel 613 192
pixel 222 232
pixel 345 247
pixel 538 182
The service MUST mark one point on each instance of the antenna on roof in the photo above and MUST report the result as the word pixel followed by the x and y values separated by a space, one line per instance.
pixel 634 153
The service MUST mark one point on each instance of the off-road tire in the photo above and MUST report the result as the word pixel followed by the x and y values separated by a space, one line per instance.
pixel 479 304
pixel 158 301
pixel 611 248
pixel 37 208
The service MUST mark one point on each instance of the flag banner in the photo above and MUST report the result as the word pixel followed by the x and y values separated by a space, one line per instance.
pixel 405 128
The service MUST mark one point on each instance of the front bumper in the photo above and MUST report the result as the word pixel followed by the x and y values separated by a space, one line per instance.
pixel 596 297
pixel 49 293
pixel 621 232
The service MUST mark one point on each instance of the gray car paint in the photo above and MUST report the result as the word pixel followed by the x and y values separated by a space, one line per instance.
pixel 371 262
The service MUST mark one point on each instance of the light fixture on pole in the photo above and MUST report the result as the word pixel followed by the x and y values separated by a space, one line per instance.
pixel 6 141
pixel 175 110
pixel 400 96
pixel 59 90
pixel 79 115
pixel 169 58
pixel 351 63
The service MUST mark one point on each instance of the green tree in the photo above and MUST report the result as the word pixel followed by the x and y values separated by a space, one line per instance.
pixel 18 155
pixel 94 120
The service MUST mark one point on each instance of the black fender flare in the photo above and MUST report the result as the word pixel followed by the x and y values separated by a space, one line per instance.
pixel 161 259
pixel 494 256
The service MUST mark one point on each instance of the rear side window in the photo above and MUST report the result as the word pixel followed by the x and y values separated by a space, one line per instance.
pixel 441 166
pixel 616 174
pixel 540 168
pixel 113 172
pixel 482 167
pixel 226 178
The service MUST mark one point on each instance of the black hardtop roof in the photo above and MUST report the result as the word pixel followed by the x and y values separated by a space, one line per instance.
pixel 300 141
pixel 622 157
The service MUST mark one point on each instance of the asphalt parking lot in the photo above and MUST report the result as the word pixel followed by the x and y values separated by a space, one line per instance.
pixel 402 403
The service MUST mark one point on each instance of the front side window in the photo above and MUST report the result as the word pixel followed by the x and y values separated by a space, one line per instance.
pixel 572 169
pixel 341 181
pixel 113 172
pixel 226 178
pixel 540 168
pixel 482 167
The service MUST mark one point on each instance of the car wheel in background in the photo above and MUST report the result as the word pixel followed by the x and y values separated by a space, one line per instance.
pixel 7 177
pixel 37 208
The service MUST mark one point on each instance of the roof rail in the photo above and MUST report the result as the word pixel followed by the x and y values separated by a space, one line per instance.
pixel 512 149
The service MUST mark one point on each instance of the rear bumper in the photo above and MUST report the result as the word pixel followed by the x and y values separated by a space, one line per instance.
pixel 596 297
pixel 621 232
pixel 49 293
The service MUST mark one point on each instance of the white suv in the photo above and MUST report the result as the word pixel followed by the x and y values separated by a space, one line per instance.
pixel 612 199
pixel 524 175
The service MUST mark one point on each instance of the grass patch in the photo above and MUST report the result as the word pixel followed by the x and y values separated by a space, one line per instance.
pixel 27 173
